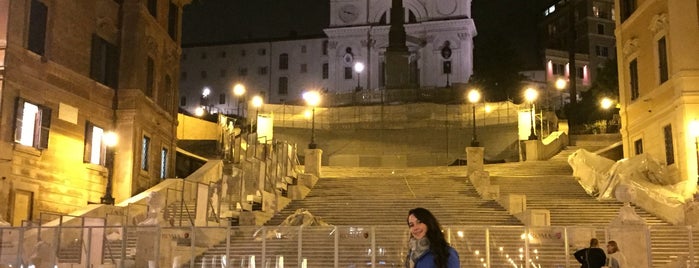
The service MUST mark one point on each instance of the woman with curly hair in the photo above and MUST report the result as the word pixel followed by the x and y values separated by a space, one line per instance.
pixel 427 246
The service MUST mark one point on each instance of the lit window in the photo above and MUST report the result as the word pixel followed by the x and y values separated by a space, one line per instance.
pixel 94 147
pixel 32 125
pixel 145 150
pixel 163 163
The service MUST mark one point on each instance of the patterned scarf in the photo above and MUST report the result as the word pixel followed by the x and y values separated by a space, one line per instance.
pixel 418 248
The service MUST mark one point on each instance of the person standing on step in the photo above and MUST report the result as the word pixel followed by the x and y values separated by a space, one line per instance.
pixel 592 257
pixel 615 259
pixel 427 247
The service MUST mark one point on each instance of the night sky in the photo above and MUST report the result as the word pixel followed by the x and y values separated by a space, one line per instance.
pixel 220 21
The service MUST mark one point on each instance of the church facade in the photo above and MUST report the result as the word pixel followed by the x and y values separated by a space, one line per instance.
pixel 439 39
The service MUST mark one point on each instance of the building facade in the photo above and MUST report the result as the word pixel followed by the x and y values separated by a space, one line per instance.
pixel 659 83
pixel 72 72
pixel 594 42
pixel 439 39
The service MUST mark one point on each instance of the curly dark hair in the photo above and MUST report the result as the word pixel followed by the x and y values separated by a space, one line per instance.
pixel 438 245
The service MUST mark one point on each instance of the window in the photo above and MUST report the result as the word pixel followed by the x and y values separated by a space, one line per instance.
pixel 183 76
pixel 633 79
pixel 262 52
pixel 304 68
pixel 243 71
pixel 326 70
pixel 203 74
pixel 558 69
pixel 145 150
pixel 95 149
pixel 262 70
pixel 36 41
pixel 183 101
pixel 283 85
pixel 163 163
pixel 325 47
pixel 601 51
pixel 104 62
pixel 580 73
pixel 638 146
pixel 222 98
pixel 32 124
pixel 284 61
pixel 627 8
pixel 222 73
pixel 303 49
pixel 348 72
pixel 600 28
pixel 243 53
pixel 662 60
pixel 150 78
pixel 203 55
pixel 669 148
pixel 153 7
pixel 222 54
pixel 173 21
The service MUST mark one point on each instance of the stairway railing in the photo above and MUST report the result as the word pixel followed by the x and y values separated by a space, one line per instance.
pixel 369 246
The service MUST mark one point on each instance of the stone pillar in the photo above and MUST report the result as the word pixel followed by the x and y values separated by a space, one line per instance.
pixel 531 147
pixel 629 230
pixel 312 161
pixel 474 159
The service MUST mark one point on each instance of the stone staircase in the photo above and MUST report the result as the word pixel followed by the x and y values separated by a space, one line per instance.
pixel 369 207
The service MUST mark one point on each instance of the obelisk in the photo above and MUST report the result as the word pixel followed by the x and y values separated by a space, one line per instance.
pixel 397 60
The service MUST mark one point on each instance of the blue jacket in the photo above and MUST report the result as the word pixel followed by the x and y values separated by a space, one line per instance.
pixel 427 260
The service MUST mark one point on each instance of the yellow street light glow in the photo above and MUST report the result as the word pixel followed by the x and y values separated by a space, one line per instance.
pixel 110 139
pixel 694 128
pixel 257 101
pixel 561 84
pixel 474 95
pixel 307 114
pixel 206 92
pixel 238 89
pixel 530 94
pixel 359 67
pixel 312 98
pixel 606 103
pixel 460 234
pixel 488 108
pixel 199 111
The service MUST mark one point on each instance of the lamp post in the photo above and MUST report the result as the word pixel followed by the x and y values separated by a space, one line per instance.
pixel 530 95
pixel 694 131
pixel 205 97
pixel 238 91
pixel 606 103
pixel 561 85
pixel 358 67
pixel 473 97
pixel 312 99
pixel 110 141
pixel 257 103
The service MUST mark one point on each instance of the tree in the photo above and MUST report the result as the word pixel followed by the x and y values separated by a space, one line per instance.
pixel 606 84
pixel 496 69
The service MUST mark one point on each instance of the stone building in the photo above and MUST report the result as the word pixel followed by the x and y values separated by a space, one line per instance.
pixel 439 39
pixel 658 63
pixel 70 73
pixel 594 42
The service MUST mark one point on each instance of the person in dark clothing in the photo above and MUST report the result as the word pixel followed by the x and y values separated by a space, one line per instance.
pixel 592 257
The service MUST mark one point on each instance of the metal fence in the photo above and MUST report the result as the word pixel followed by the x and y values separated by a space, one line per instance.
pixel 327 246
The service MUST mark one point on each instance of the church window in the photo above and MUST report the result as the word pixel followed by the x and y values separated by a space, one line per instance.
pixel 262 70
pixel 446 67
pixel 326 70
pixel 283 85
pixel 348 72
pixel 325 47
pixel 284 61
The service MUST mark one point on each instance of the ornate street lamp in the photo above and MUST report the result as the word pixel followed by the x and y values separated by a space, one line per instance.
pixel 110 140
pixel 530 95
pixel 358 67
pixel 257 103
pixel 239 90
pixel 561 85
pixel 694 131
pixel 312 99
pixel 473 97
